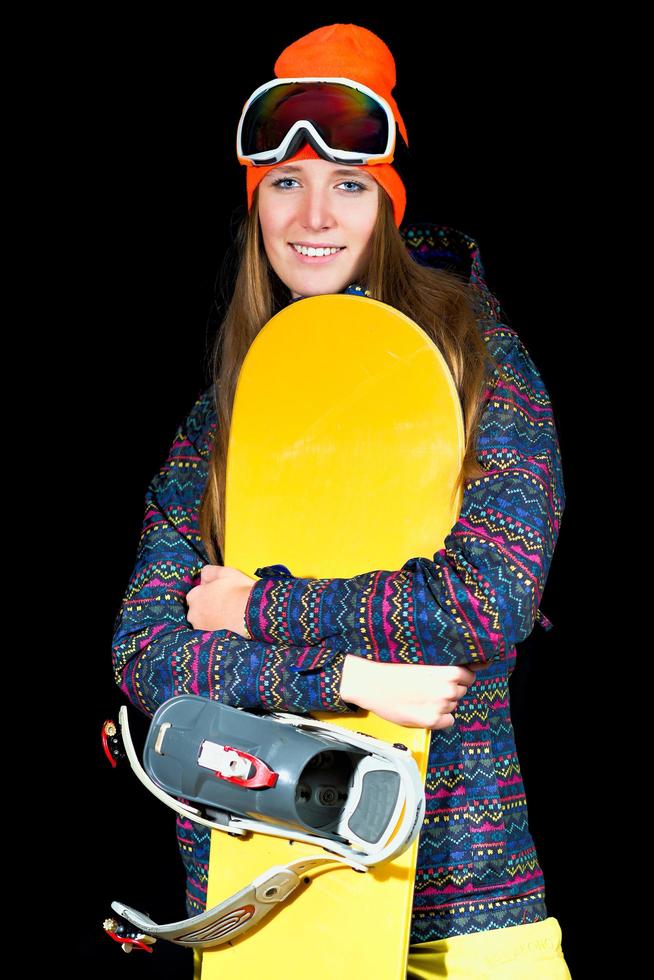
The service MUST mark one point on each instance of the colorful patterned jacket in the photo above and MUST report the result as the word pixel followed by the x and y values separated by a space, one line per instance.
pixel 471 601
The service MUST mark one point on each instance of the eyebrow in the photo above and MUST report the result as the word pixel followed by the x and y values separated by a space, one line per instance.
pixel 343 172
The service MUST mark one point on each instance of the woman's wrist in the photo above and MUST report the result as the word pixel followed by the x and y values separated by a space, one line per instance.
pixel 351 679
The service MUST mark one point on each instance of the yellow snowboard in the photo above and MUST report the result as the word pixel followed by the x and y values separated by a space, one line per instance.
pixel 346 440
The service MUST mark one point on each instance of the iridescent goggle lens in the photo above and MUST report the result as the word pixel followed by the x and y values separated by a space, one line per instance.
pixel 346 118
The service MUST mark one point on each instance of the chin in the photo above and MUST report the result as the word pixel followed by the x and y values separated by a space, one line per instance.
pixel 317 284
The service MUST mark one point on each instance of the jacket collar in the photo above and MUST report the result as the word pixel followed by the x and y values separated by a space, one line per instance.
pixel 354 289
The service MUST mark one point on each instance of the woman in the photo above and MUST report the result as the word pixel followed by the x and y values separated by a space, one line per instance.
pixel 189 625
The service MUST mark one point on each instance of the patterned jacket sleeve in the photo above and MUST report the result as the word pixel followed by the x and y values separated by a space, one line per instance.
pixel 478 595
pixel 155 651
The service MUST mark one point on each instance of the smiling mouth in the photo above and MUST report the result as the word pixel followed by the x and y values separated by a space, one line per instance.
pixel 304 245
pixel 312 259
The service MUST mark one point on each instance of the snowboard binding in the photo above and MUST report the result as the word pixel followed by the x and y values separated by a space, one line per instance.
pixel 359 798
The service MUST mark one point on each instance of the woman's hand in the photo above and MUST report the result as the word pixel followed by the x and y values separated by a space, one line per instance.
pixel 219 602
pixel 413 695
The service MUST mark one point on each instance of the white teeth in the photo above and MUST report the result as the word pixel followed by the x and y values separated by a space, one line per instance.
pixel 303 250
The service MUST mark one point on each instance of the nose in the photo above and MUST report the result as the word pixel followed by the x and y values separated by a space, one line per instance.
pixel 316 213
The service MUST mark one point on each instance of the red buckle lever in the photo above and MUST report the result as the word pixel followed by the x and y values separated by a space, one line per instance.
pixel 263 776
pixel 109 732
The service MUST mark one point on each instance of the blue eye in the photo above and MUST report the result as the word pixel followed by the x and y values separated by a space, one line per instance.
pixel 282 180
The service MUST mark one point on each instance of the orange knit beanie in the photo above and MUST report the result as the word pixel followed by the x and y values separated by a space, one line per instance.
pixel 343 51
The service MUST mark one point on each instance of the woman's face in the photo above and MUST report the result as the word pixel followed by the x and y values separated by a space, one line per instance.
pixel 318 203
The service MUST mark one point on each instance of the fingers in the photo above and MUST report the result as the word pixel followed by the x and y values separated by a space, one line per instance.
pixel 468 675
pixel 418 695
pixel 445 721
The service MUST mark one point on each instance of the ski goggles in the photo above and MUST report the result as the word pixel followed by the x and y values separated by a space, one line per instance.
pixel 344 121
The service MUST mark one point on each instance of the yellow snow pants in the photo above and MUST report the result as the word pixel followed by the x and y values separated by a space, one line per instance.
pixel 532 951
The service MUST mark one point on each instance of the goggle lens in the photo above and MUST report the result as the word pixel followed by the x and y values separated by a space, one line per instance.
pixel 346 118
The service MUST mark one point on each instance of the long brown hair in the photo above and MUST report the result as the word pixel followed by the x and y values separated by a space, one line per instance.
pixel 440 301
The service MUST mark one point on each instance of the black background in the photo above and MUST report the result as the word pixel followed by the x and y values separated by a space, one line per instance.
pixel 150 191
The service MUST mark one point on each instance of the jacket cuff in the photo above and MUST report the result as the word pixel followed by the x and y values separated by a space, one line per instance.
pixel 323 674
pixel 284 609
